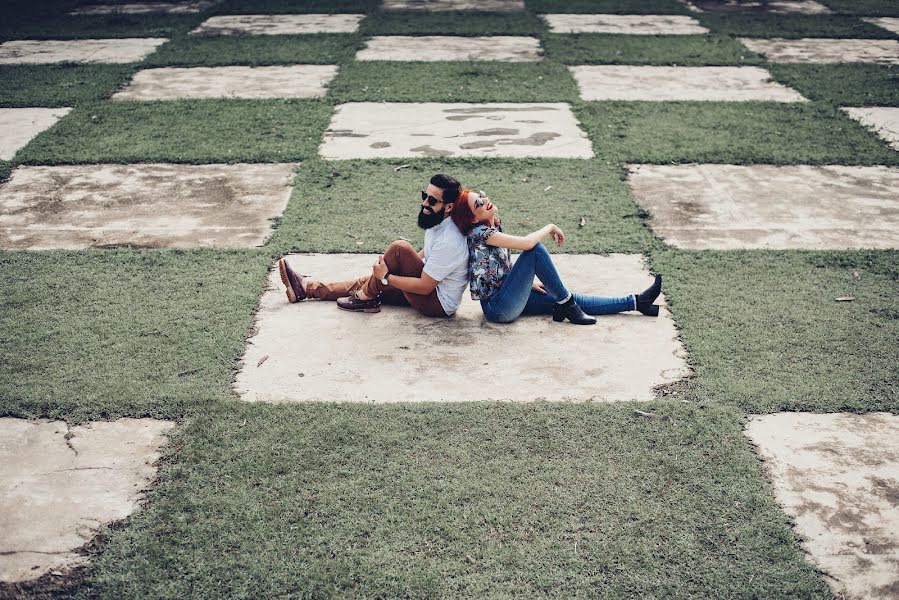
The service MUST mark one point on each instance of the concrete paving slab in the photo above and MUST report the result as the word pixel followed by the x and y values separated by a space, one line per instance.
pixel 377 358
pixel 660 84
pixel 888 23
pixel 625 24
pixel 143 8
pixel 823 50
pixel 145 205
pixel 19 125
pixel 837 476
pixel 432 48
pixel 278 24
pixel 449 5
pixel 296 81
pixel 431 129
pixel 109 51
pixel 60 484
pixel 883 120
pixel 778 7
pixel 766 206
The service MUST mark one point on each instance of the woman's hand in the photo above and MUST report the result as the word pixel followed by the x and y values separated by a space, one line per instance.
pixel 556 234
pixel 538 287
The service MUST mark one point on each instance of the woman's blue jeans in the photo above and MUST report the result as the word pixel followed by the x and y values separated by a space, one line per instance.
pixel 516 296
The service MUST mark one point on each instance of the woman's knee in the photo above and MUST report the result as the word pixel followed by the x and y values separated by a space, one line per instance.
pixel 538 249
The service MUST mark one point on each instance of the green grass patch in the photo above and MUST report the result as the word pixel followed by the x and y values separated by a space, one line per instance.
pixel 842 85
pixel 183 131
pixel 255 50
pixel 542 81
pixel 615 49
pixel 264 7
pixel 730 132
pixel 101 334
pixel 5 169
pixel 623 7
pixel 451 23
pixel 65 26
pixel 764 330
pixel 362 206
pixel 792 26
pixel 873 8
pixel 59 85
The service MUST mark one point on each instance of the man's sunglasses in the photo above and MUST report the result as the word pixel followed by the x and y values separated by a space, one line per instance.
pixel 432 201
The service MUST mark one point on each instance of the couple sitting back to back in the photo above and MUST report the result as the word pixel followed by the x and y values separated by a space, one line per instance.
pixel 465 247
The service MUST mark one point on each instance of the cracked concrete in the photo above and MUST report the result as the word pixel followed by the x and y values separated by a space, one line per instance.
pixel 433 48
pixel 624 24
pixel 837 475
pixel 59 485
pixel 400 130
pixel 660 84
pixel 450 5
pixel 144 205
pixel 824 50
pixel 19 125
pixel 110 51
pixel 143 8
pixel 278 24
pixel 377 358
pixel 882 120
pixel 729 207
pixel 296 81
pixel 777 7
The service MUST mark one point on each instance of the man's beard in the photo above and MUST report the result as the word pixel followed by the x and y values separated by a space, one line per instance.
pixel 428 220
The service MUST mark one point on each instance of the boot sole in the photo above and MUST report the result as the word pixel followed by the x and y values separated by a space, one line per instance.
pixel 282 268
pixel 376 309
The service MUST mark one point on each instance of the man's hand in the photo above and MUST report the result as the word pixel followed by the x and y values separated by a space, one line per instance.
pixel 538 287
pixel 379 269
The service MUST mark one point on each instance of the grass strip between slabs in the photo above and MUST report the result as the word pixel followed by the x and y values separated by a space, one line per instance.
pixel 59 85
pixel 624 7
pixel 842 85
pixel 265 7
pixel 873 8
pixel 451 23
pixel 120 25
pixel 791 26
pixel 620 49
pixel 255 50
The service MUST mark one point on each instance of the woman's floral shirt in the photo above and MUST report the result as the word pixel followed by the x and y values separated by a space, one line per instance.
pixel 487 265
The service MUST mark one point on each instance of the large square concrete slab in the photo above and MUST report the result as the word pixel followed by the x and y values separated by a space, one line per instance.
pixel 109 51
pixel 378 358
pixel 146 205
pixel 883 120
pixel 823 50
pixel 660 84
pixel 765 206
pixel 278 24
pixel 837 476
pixel 60 484
pixel 396 130
pixel 888 23
pixel 19 125
pixel 625 24
pixel 432 48
pixel 297 81
pixel 142 8
pixel 449 5
pixel 777 7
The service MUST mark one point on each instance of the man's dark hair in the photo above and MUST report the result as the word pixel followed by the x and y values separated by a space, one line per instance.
pixel 450 187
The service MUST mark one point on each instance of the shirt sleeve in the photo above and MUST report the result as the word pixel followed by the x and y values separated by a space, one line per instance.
pixel 479 235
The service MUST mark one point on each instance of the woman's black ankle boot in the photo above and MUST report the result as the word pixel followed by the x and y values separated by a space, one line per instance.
pixel 571 311
pixel 646 298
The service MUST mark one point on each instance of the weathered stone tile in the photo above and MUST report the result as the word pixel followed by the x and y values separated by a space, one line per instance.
pixel 378 357
pixel 659 84
pixel 507 48
pixel 145 205
pixel 824 50
pixel 297 81
pixel 19 125
pixel 141 8
pixel 278 24
pixel 883 120
pixel 837 476
pixel 782 7
pixel 888 23
pixel 60 484
pixel 765 206
pixel 625 24
pixel 450 5
pixel 394 130
pixel 34 52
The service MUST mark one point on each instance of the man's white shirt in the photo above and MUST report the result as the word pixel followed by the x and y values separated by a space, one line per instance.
pixel 446 261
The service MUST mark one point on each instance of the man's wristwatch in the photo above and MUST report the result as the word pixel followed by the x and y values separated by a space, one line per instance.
pixel 384 279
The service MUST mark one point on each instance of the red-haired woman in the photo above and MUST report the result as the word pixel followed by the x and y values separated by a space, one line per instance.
pixel 508 291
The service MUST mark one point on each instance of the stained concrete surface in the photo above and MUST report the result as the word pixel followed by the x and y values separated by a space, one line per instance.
pixel 888 23
pixel 141 8
pixel 316 352
pixel 882 120
pixel 19 125
pixel 659 84
pixel 782 7
pixel 431 129
pixel 824 50
pixel 107 51
pixel 450 5
pixel 624 24
pixel 60 484
pixel 765 206
pixel 278 24
pixel 431 48
pixel 296 81
pixel 144 205
pixel 837 475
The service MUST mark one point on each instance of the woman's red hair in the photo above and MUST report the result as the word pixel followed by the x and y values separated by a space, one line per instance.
pixel 462 215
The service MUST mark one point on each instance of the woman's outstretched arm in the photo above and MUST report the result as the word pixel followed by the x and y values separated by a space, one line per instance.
pixel 526 242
